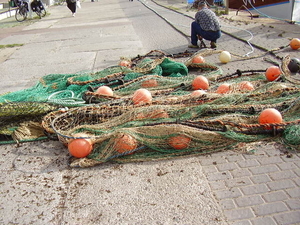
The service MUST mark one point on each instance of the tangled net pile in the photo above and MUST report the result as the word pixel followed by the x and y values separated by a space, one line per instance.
pixel 66 106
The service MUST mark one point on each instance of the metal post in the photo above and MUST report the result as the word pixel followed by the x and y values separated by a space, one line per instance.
pixel 227 7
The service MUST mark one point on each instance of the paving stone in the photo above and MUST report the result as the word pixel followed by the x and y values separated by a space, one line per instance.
pixel 270 208
pixel 219 176
pixel 241 222
pixel 227 204
pixel 254 156
pixel 288 218
pixel 262 178
pixel 263 169
pixel 248 163
pixel 297 181
pixel 275 196
pixel 294 192
pixel 270 160
pixel 208 161
pixel 254 189
pixel 236 182
pixel 294 158
pixel 210 169
pixel 263 221
pixel 240 173
pixel 232 193
pixel 239 214
pixel 218 185
pixel 235 158
pixel 249 200
pixel 297 162
pixel 226 166
pixel 280 184
pixel 287 165
pixel 287 174
pixel 293 203
pixel 297 171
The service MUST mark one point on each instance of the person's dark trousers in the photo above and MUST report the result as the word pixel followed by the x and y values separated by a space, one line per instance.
pixel 207 35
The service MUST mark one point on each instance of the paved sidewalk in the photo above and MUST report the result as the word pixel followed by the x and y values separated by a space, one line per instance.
pixel 254 184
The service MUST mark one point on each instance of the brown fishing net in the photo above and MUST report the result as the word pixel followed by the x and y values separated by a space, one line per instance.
pixel 175 123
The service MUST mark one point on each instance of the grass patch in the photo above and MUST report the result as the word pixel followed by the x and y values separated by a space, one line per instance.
pixel 10 46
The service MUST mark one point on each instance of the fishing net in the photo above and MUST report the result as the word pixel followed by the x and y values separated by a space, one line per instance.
pixel 175 123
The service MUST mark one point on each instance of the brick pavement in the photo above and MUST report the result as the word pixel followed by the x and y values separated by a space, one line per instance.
pixel 258 188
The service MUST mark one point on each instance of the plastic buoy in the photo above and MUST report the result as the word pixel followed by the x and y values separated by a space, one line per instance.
pixel 295 43
pixel 179 142
pixel 223 88
pixel 294 65
pixel 270 115
pixel 200 82
pixel 246 86
pixel 272 73
pixel 125 63
pixel 141 96
pixel 198 59
pixel 149 83
pixel 225 57
pixel 198 93
pixel 80 147
pixel 105 90
pixel 125 143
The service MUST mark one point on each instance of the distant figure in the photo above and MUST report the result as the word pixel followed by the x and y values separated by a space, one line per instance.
pixel 206 25
pixel 71 4
pixel 218 2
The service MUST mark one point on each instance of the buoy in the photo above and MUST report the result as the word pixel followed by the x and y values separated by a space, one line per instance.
pixel 149 83
pixel 270 115
pixel 105 90
pixel 198 59
pixel 125 143
pixel 295 43
pixel 245 86
pixel 141 96
pixel 179 141
pixel 125 63
pixel 223 88
pixel 80 147
pixel 272 73
pixel 198 93
pixel 200 82
pixel 225 57
pixel 294 65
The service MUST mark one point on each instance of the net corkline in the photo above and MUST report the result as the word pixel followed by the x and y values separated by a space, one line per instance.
pixel 65 107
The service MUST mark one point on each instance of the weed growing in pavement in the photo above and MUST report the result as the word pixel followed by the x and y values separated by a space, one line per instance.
pixel 10 46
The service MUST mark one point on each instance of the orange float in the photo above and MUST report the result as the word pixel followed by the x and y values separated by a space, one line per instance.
pixel 125 63
pixel 198 59
pixel 246 86
pixel 149 83
pixel 179 141
pixel 223 88
pixel 125 143
pixel 80 147
pixel 198 93
pixel 105 90
pixel 270 115
pixel 200 82
pixel 141 96
pixel 272 73
pixel 295 43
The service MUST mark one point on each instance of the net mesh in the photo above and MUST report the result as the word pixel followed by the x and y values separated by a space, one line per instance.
pixel 175 123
